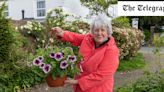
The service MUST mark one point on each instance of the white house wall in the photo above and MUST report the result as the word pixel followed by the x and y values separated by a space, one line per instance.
pixel 16 7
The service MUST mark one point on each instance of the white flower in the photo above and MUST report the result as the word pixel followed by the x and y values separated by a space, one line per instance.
pixel 22 27
pixel 81 31
pixel 51 40
pixel 38 46
pixel 28 32
pixel 84 32
pixel 43 41
pixel 35 28
pixel 29 22
pixel 16 28
pixel 49 10
pixel 37 39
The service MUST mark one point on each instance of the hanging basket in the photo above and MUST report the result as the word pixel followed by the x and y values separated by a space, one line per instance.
pixel 59 81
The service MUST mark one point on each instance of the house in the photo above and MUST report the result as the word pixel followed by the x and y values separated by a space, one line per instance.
pixel 37 9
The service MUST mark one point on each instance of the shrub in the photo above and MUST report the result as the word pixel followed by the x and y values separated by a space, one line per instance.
pixel 121 22
pixel 147 34
pixel 149 83
pixel 6 38
pixel 128 40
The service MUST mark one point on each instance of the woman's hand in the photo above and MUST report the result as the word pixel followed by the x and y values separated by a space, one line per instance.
pixel 57 31
pixel 71 81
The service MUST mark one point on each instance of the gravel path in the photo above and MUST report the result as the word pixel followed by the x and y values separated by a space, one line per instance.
pixel 121 78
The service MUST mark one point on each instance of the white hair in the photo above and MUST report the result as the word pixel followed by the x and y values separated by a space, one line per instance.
pixel 101 21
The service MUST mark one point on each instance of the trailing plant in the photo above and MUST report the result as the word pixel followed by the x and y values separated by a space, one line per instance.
pixel 56 61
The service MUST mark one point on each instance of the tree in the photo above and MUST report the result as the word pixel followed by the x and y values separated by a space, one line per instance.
pixel 6 37
pixel 97 6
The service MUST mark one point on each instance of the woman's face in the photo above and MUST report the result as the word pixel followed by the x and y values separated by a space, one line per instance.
pixel 100 35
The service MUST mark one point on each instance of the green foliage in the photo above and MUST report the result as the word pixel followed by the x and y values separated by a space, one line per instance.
pixel 121 22
pixel 149 83
pixel 147 21
pixel 147 34
pixel 136 62
pixel 158 41
pixel 97 6
pixel 20 79
pixel 2 8
pixel 6 38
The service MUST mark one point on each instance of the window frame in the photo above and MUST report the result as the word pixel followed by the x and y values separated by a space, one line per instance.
pixel 41 8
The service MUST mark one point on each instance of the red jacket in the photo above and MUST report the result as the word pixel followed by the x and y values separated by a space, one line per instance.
pixel 98 66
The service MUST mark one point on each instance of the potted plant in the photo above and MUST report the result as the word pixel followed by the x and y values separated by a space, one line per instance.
pixel 55 64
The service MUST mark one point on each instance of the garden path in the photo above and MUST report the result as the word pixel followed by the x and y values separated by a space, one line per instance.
pixel 121 78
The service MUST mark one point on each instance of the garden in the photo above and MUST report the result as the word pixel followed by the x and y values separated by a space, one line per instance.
pixel 28 52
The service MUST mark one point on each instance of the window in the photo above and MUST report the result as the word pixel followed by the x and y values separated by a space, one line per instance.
pixel 6 11
pixel 41 8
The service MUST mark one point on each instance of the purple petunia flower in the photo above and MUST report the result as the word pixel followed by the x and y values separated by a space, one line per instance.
pixel 42 65
pixel 62 54
pixel 72 58
pixel 52 55
pixel 41 58
pixel 58 56
pixel 36 62
pixel 46 68
pixel 63 64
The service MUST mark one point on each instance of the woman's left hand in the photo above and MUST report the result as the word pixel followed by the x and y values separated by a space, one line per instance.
pixel 71 81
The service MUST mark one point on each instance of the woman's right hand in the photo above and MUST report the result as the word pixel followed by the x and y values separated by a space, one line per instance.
pixel 57 31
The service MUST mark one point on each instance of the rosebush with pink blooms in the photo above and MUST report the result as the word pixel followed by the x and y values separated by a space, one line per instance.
pixel 58 62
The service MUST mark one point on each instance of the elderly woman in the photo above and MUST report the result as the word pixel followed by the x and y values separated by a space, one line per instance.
pixel 100 56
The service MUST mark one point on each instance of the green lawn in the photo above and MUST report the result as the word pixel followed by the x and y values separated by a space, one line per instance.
pixel 136 62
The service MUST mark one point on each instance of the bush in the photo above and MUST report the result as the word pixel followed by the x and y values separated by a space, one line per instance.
pixel 21 79
pixel 149 83
pixel 128 40
pixel 147 34
pixel 121 22
pixel 6 38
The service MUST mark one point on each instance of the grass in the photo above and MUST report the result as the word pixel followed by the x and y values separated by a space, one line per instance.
pixel 136 62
